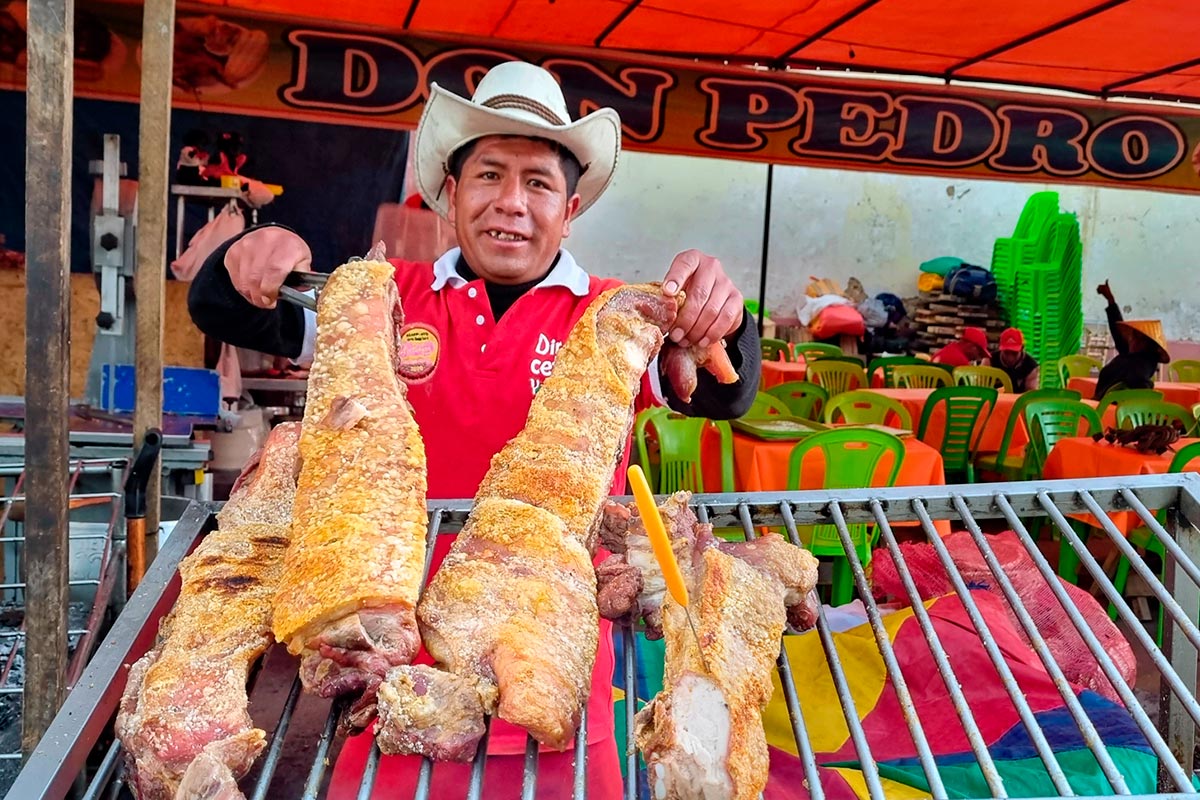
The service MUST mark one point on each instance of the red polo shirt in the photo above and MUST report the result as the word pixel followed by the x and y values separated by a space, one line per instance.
pixel 470 381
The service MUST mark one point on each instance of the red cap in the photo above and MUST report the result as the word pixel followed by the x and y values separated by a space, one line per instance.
pixel 1012 339
pixel 977 337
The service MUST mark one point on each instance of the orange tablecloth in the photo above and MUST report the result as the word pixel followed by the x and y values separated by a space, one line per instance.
pixel 1082 457
pixel 1185 394
pixel 777 372
pixel 762 466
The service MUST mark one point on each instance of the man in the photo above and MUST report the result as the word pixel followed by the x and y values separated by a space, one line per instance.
pixel 511 172
pixel 1011 357
pixel 972 346
pixel 1141 347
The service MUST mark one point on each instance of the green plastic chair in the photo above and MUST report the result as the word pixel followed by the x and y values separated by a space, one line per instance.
pixel 923 377
pixel 983 376
pixel 851 460
pixel 771 348
pixel 1013 466
pixel 888 363
pixel 646 418
pixel 811 351
pixel 766 405
pixel 1118 396
pixel 837 376
pixel 864 407
pixel 965 405
pixel 804 399
pixel 1077 366
pixel 1132 413
pixel 1196 414
pixel 1048 421
pixel 1185 370
pixel 679 447
pixel 1143 539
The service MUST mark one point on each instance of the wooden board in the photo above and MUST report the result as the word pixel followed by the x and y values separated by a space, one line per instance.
pixel 183 344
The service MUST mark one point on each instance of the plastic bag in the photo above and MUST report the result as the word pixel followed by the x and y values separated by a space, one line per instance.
pixel 838 320
pixel 874 313
pixel 813 306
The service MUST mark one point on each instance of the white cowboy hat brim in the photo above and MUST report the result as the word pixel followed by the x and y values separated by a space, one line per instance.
pixel 449 122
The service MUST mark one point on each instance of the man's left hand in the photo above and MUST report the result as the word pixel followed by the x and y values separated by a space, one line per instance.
pixel 713 307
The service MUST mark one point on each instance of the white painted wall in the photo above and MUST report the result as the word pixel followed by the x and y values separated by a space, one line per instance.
pixel 879 227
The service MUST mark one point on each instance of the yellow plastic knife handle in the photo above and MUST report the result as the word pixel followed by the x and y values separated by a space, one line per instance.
pixel 659 542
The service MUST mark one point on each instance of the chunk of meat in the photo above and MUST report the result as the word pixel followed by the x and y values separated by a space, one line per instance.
pixel 183 719
pixel 429 712
pixel 680 365
pixel 352 574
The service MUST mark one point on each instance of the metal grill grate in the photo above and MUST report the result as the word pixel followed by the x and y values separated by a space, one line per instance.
pixel 89 711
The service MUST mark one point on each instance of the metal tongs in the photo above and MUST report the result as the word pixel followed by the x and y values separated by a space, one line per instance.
pixel 298 280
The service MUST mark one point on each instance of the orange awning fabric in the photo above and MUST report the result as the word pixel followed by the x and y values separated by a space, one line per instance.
pixel 1102 48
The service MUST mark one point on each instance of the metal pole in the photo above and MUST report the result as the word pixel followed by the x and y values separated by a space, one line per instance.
pixel 48 124
pixel 154 134
pixel 766 247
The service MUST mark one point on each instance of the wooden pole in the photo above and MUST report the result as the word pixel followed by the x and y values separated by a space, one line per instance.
pixel 48 119
pixel 154 136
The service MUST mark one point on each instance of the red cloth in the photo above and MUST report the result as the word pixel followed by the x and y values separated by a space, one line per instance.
pixel 953 355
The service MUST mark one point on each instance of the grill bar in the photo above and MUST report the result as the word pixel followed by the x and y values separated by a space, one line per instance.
pixel 1178 494
pixel 974 736
pixel 1053 769
pixel 275 746
pixel 895 674
pixel 1091 736
pixel 370 773
pixel 475 789
pixel 1141 719
pixel 1123 609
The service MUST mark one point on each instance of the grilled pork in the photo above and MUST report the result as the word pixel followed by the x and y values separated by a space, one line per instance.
pixel 511 618
pixel 702 736
pixel 352 573
pixel 631 585
pixel 183 720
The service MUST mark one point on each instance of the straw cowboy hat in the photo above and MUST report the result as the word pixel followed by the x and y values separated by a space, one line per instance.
pixel 514 99
pixel 1150 329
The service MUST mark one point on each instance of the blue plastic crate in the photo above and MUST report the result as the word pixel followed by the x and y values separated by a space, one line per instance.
pixel 187 391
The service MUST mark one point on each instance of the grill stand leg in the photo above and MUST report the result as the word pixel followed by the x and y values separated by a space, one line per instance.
pixel 1176 725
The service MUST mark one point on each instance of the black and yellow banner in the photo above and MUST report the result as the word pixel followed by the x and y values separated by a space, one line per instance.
pixel 240 64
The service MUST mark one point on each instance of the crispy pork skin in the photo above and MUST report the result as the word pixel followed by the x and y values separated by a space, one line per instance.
pixel 702 736
pixel 352 574
pixel 183 718
pixel 512 610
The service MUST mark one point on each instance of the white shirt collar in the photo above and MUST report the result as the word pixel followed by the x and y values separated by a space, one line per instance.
pixel 566 273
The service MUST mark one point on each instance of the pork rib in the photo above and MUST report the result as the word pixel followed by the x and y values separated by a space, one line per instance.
pixel 352 574
pixel 510 617
pixel 183 721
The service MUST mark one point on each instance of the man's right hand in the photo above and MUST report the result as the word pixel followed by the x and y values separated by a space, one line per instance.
pixel 259 262
pixel 1104 291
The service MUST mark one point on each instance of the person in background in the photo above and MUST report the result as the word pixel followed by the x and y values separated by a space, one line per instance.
pixel 1141 347
pixel 1011 357
pixel 971 347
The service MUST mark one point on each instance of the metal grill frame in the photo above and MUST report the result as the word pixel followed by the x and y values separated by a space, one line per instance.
pixel 89 710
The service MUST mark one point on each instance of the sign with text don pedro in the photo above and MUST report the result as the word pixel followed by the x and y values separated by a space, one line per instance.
pixel 238 63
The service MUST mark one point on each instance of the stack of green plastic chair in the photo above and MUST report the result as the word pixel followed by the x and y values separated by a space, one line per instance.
pixel 1011 252
pixel 851 458
pixel 1047 305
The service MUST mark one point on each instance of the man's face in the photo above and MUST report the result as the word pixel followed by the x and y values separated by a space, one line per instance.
pixel 510 208
pixel 1010 358
pixel 972 351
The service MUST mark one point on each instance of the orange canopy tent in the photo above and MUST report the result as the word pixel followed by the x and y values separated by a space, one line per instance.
pixel 1103 48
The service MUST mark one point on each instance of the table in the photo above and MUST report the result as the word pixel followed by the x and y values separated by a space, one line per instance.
pixel 1082 457
pixel 1184 394
pixel 777 372
pixel 762 466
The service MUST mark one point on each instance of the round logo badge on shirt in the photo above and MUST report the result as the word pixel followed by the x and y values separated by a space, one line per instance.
pixel 418 349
